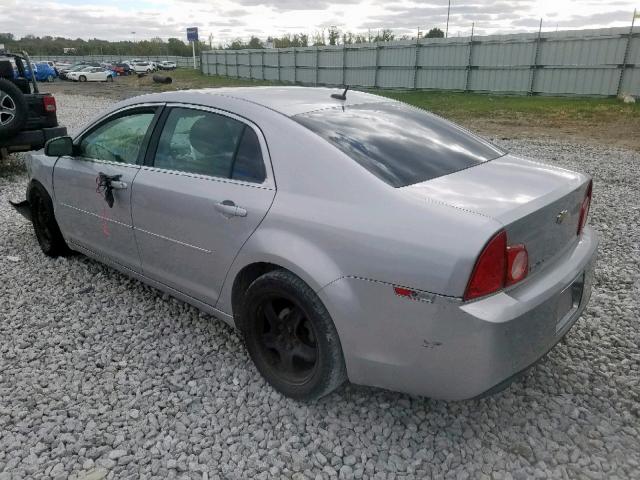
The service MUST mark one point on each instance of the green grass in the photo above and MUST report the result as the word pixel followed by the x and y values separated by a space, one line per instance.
pixel 460 106
pixel 190 78
pixel 463 105
pixel 588 119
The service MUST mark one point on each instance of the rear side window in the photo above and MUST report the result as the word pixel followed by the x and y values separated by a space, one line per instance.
pixel 399 144
pixel 207 143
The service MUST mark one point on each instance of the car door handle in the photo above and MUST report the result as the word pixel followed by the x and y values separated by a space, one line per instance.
pixel 118 185
pixel 230 209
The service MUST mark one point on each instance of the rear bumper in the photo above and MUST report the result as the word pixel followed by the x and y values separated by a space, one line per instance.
pixel 32 139
pixel 441 347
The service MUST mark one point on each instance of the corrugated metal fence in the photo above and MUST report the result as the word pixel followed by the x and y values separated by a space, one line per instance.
pixel 184 62
pixel 583 62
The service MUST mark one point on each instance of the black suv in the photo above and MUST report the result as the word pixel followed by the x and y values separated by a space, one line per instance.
pixel 27 117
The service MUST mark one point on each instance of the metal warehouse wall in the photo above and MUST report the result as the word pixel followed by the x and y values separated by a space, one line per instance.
pixel 583 62
pixel 186 62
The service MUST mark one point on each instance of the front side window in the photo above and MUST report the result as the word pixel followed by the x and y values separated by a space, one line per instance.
pixel 205 143
pixel 118 140
pixel 399 144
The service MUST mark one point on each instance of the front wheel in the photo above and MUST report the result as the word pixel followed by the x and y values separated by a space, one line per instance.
pixel 82 78
pixel 50 78
pixel 109 78
pixel 44 223
pixel 291 337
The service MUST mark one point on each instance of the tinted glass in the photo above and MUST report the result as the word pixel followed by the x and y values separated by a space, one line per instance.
pixel 118 140
pixel 399 144
pixel 248 165
pixel 199 142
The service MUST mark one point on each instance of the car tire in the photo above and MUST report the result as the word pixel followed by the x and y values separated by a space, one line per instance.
pixel 44 222
pixel 82 78
pixel 109 78
pixel 50 79
pixel 14 109
pixel 290 336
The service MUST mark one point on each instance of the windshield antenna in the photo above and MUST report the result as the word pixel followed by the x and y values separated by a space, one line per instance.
pixel 341 96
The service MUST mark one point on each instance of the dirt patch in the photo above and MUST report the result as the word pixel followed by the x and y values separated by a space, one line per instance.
pixel 616 133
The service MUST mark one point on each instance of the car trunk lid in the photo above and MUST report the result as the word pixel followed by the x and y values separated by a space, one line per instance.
pixel 539 205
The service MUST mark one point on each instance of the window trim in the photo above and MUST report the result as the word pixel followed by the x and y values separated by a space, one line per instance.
pixel 268 183
pixel 122 112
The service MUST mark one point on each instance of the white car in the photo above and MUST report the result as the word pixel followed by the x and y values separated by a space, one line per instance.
pixel 142 67
pixel 91 74
pixel 167 65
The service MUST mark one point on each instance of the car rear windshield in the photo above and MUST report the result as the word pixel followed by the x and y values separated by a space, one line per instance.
pixel 399 144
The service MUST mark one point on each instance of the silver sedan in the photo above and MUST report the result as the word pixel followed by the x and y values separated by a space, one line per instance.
pixel 346 237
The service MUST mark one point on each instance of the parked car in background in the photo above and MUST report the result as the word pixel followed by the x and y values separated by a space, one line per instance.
pixel 73 68
pixel 121 68
pixel 167 65
pixel 46 72
pixel 142 67
pixel 91 74
pixel 384 244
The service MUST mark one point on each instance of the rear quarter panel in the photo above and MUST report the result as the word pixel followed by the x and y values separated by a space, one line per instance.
pixel 332 219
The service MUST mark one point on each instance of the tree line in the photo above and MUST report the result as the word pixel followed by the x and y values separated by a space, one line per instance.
pixel 332 36
pixel 48 45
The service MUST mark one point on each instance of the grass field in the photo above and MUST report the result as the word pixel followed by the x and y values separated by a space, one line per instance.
pixel 583 119
pixel 605 121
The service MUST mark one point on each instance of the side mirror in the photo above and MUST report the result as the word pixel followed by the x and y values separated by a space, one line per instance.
pixel 59 147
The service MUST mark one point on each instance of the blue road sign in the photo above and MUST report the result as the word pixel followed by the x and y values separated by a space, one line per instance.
pixel 192 34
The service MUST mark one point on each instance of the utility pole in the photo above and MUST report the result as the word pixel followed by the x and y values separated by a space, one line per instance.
pixel 211 41
pixel 446 32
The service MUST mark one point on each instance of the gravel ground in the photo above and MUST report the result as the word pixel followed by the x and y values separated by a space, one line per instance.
pixel 102 376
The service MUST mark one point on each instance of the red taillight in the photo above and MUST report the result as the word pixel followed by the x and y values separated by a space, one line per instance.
pixel 584 208
pixel 489 272
pixel 498 265
pixel 49 104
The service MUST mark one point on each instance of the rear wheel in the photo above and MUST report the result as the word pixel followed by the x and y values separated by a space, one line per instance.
pixel 44 223
pixel 109 78
pixel 291 337
pixel 50 78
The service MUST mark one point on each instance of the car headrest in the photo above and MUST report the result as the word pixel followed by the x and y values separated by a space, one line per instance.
pixel 210 134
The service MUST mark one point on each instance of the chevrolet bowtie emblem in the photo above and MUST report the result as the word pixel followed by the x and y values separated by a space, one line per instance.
pixel 561 216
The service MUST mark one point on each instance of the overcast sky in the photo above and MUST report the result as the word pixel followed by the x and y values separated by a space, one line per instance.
pixel 228 19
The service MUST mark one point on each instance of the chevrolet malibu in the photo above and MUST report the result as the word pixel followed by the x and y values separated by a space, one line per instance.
pixel 345 236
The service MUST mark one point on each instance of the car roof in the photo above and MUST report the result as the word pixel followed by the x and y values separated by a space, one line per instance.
pixel 289 101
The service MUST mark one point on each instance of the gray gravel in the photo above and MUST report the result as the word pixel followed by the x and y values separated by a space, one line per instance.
pixel 104 377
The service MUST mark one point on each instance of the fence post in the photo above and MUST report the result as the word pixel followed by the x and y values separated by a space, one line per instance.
pixel 534 66
pixel 295 65
pixel 317 64
pixel 237 66
pixel 216 63
pixel 415 64
pixel 625 57
pixel 466 83
pixel 262 63
pixel 344 65
pixel 250 66
pixel 226 63
pixel 279 78
pixel 375 78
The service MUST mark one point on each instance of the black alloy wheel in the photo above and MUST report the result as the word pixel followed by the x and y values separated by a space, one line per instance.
pixel 290 336
pixel 286 339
